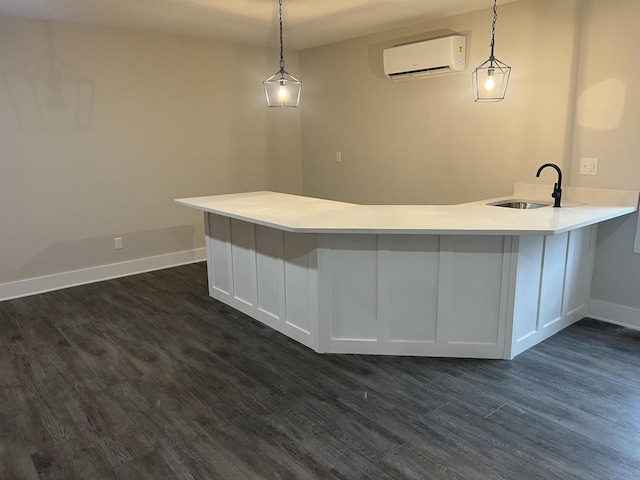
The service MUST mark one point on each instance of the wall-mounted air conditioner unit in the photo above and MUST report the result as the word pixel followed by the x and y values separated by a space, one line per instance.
pixel 441 55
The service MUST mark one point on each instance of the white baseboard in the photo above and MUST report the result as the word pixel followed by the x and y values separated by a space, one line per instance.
pixel 613 313
pixel 33 286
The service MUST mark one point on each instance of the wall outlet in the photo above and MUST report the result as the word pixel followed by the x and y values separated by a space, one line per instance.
pixel 588 166
pixel 118 243
pixel 338 156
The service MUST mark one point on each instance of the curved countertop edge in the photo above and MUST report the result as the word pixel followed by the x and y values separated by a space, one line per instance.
pixel 300 214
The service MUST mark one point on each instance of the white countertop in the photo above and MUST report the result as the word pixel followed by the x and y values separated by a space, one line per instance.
pixel 295 213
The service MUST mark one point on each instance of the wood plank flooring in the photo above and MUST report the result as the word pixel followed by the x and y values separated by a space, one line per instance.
pixel 147 377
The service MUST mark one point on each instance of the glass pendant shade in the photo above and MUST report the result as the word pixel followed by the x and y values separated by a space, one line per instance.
pixel 490 81
pixel 282 90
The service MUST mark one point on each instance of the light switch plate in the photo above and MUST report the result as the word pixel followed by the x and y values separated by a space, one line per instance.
pixel 588 166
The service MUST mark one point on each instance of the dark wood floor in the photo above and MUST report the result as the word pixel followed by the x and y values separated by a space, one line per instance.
pixel 147 377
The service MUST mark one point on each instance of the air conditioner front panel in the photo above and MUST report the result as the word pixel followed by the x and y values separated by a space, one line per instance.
pixel 441 55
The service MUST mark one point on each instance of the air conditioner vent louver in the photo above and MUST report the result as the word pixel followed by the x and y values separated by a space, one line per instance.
pixel 441 55
pixel 424 71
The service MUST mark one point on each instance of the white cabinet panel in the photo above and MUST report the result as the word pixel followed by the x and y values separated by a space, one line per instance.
pixel 298 263
pixel 414 294
pixel 265 273
pixel 243 260
pixel 578 277
pixel 476 289
pixel 353 280
pixel 552 286
pixel 528 286
pixel 413 287
pixel 218 248
pixel 269 263
pixel 560 271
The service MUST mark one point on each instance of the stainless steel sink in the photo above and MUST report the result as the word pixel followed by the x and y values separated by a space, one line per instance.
pixel 519 204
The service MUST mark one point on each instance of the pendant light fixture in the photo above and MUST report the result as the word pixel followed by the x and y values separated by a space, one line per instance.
pixel 282 89
pixel 491 78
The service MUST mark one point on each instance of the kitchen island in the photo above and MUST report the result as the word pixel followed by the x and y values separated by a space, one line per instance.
pixel 469 280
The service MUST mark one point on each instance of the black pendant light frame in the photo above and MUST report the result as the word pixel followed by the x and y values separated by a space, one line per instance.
pixel 490 80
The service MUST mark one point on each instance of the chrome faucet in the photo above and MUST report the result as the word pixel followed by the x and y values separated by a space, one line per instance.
pixel 557 188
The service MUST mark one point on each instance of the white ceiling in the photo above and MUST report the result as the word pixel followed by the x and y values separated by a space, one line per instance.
pixel 307 23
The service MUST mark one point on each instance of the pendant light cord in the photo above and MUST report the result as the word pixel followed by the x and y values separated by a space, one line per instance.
pixel 281 48
pixel 493 27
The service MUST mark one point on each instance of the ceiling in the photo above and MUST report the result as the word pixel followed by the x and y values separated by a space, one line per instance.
pixel 307 23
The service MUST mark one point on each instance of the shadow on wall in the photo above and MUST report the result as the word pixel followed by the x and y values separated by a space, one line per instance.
pixel 48 94
pixel 100 251
pixel 601 106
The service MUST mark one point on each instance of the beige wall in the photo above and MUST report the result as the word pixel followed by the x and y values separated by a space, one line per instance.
pixel 424 140
pixel 608 98
pixel 608 127
pixel 170 117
